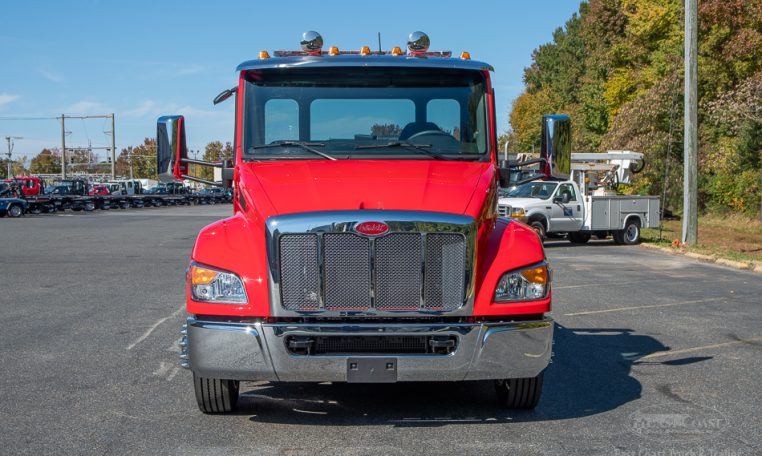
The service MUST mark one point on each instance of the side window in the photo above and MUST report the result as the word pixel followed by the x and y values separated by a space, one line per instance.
pixel 567 188
pixel 281 120
pixel 446 114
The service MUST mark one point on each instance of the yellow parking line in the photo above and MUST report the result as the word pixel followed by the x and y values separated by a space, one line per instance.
pixel 703 347
pixel 618 309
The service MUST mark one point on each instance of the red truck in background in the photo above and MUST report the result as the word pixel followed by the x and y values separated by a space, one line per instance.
pixel 365 245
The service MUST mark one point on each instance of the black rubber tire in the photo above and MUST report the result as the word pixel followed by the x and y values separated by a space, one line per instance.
pixel 15 211
pixel 214 395
pixel 579 238
pixel 539 228
pixel 89 206
pixel 519 393
pixel 35 211
pixel 631 232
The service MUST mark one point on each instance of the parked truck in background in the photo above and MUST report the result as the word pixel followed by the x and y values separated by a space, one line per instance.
pixel 364 244
pixel 587 203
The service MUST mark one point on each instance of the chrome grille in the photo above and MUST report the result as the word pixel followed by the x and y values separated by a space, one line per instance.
pixel 503 210
pixel 300 276
pixel 444 274
pixel 398 271
pixel 346 266
pixel 318 263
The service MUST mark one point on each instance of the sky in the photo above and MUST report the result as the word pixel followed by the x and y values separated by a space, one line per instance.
pixel 142 59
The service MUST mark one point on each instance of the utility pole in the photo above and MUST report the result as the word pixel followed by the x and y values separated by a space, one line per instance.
pixel 113 149
pixel 690 141
pixel 63 148
pixel 10 149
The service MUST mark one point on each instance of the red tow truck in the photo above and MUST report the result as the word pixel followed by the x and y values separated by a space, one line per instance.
pixel 364 244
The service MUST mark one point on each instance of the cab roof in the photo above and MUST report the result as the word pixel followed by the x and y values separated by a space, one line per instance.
pixel 354 60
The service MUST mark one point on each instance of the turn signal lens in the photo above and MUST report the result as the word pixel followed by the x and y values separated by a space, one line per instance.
pixel 333 50
pixel 536 275
pixel 396 51
pixel 201 276
pixel 465 55
pixel 264 55
pixel 365 50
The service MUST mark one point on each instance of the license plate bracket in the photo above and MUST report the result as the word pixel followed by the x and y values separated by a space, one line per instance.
pixel 372 370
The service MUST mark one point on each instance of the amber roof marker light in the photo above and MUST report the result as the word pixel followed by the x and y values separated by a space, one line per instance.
pixel 312 42
pixel 418 43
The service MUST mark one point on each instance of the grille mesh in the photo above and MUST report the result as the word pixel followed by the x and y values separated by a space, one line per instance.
pixel 300 280
pixel 503 210
pixel 445 263
pixel 346 265
pixel 371 344
pixel 398 271
pixel 346 282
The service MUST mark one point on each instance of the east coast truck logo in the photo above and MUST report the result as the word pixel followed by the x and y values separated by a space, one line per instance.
pixel 372 228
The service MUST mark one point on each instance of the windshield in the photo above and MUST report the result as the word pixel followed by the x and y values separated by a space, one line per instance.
pixel 539 190
pixel 357 113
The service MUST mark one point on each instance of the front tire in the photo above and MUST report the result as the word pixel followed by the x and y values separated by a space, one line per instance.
pixel 214 395
pixel 519 393
pixel 14 211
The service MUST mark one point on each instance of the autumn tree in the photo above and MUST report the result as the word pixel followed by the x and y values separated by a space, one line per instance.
pixel 48 161
pixel 616 68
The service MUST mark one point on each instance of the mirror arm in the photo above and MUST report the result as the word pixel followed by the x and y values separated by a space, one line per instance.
pixel 527 163
pixel 528 179
pixel 202 163
pixel 202 181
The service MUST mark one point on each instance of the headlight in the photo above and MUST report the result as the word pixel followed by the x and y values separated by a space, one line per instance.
pixel 211 285
pixel 526 284
pixel 517 212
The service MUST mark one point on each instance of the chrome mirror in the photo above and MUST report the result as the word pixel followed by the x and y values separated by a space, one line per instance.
pixel 555 148
pixel 171 149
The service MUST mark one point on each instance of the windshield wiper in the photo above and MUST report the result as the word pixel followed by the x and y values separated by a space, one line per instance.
pixel 308 146
pixel 422 148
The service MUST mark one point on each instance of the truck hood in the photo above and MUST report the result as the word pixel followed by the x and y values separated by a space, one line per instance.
pixel 320 185
pixel 522 202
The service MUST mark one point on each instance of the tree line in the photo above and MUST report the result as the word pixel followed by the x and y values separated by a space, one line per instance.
pixel 616 67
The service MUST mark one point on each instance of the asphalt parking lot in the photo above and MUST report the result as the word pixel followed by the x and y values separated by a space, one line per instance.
pixel 654 354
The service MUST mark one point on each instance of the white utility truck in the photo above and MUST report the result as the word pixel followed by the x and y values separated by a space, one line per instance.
pixel 587 204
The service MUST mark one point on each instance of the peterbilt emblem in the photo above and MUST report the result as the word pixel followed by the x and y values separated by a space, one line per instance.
pixel 372 228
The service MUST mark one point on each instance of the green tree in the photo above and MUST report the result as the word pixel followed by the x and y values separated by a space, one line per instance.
pixel 48 161
pixel 215 152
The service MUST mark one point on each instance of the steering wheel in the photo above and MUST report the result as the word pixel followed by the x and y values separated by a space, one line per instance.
pixel 429 133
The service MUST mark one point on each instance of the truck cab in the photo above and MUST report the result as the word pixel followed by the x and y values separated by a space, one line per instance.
pixel 29 185
pixel 364 244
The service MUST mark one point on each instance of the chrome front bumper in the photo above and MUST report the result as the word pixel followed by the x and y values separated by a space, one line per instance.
pixel 258 351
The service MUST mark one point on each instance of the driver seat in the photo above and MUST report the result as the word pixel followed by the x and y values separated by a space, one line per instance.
pixel 417 127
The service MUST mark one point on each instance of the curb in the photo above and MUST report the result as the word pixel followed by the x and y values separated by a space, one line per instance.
pixel 744 266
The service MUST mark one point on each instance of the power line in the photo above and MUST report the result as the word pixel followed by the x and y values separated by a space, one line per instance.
pixel 29 118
